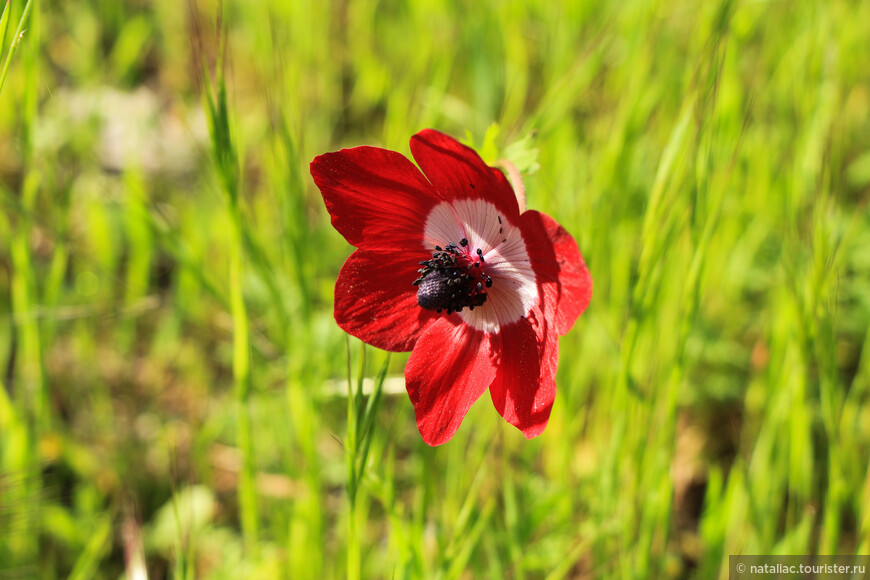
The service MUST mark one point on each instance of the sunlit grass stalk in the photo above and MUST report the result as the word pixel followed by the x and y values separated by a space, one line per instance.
pixel 293 205
pixel 512 520
pixel 16 40
pixel 25 298
pixel 54 284
pixel 468 522
pixel 26 416
pixel 7 413
pixel 242 377
pixel 305 529
pixel 5 19
pixel 140 252
pixel 30 379
pixel 226 159
pixel 97 547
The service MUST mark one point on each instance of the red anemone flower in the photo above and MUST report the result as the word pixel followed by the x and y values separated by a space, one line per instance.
pixel 449 266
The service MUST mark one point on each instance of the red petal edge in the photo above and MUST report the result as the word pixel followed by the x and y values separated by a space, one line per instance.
pixel 451 366
pixel 457 172
pixel 559 267
pixel 376 301
pixel 524 388
pixel 377 198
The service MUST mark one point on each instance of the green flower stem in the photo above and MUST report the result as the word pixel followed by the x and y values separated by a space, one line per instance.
pixel 360 427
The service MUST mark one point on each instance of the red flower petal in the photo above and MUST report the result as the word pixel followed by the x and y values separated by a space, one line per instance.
pixel 458 171
pixel 524 388
pixel 450 368
pixel 377 198
pixel 559 267
pixel 376 301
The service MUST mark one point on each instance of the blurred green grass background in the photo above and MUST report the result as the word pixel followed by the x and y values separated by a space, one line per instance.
pixel 174 386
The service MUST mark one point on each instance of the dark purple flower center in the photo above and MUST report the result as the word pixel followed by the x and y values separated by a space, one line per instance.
pixel 452 280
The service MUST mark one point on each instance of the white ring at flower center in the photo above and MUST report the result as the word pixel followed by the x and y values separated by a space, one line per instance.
pixel 506 260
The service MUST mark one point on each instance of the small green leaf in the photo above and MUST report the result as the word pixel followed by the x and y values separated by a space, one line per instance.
pixel 523 154
pixel 4 26
pixel 489 151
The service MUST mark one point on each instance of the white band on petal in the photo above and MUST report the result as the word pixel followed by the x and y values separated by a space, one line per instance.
pixel 514 292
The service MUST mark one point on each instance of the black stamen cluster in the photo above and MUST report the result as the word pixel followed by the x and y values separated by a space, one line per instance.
pixel 450 282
